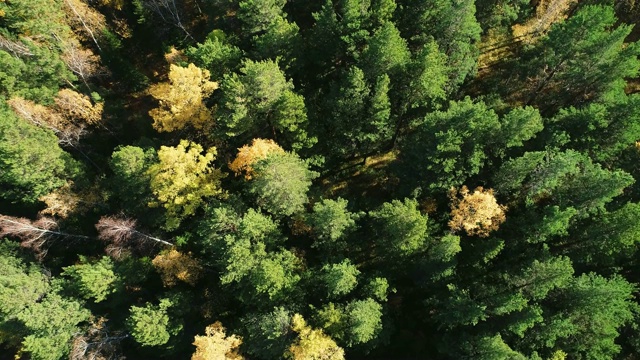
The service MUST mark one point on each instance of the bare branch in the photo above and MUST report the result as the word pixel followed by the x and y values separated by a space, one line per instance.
pixel 33 234
pixel 121 235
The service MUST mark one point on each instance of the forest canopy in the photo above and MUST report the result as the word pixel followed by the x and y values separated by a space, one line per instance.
pixel 338 179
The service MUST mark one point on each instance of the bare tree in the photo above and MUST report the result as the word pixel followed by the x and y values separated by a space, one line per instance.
pixel 80 14
pixel 168 12
pixel 97 343
pixel 14 47
pixel 122 235
pixel 35 235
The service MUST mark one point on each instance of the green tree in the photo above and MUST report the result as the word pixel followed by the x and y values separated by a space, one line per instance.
pixel 454 27
pixel 257 15
pixel 595 61
pixel 331 221
pixel 281 183
pixel 51 324
pixel 151 325
pixel 261 99
pixel 215 55
pixel 386 52
pixel 340 279
pixel 268 335
pixel 449 146
pixel 31 162
pixel 400 228
pixel 93 281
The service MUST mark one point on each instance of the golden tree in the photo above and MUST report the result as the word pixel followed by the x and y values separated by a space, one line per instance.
pixel 249 154
pixel 181 99
pixel 215 345
pixel 64 200
pixel 478 213
pixel 312 344
pixel 174 265
pixel 182 178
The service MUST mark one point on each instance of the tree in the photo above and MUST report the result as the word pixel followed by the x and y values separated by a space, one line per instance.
pixel 93 281
pixel 401 230
pixel 478 213
pixel 281 41
pixel 215 345
pixel 595 61
pixel 131 181
pixel 216 55
pixel 364 321
pixel 257 15
pixel 36 235
pixel 331 222
pixel 182 99
pixel 51 324
pixel 150 325
pixel 281 183
pixel 182 178
pixel 454 27
pixel 173 266
pixel 261 100
pixel 268 335
pixel 250 154
pixel 31 161
pixel 449 146
pixel 121 234
pixel 312 344
pixel 386 52
pixel 603 129
pixel 339 279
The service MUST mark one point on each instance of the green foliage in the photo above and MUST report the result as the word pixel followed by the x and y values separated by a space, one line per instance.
pixel 595 61
pixel 261 97
pixel 151 325
pixel 281 183
pixel 31 162
pixel 339 279
pixel 386 52
pixel 453 145
pixel 216 56
pixel 331 221
pixel 268 335
pixel 401 230
pixel 257 15
pixel 93 281
pixel 51 324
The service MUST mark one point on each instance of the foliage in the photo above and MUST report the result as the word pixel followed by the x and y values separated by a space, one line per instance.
pixel 173 265
pixel 281 183
pixel 250 154
pixel 216 344
pixel 182 99
pixel 478 213
pixel 150 325
pixel 94 281
pixel 182 178
pixel 312 344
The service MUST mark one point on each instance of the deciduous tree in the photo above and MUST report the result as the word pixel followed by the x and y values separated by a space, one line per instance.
pixel 182 99
pixel 478 213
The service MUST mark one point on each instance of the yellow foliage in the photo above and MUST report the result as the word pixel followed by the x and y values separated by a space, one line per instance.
pixel 182 178
pixel 559 355
pixel 478 213
pixel 215 345
pixel 181 99
pixel 77 107
pixel 64 201
pixel 249 154
pixel 312 344
pixel 174 265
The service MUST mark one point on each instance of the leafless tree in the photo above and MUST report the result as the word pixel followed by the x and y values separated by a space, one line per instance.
pixel 35 235
pixel 14 47
pixel 168 12
pixel 121 234
pixel 97 343
pixel 80 14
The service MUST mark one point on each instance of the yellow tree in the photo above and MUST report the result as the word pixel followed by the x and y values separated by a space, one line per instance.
pixel 249 154
pixel 174 265
pixel 478 213
pixel 181 99
pixel 216 345
pixel 182 178
pixel 312 344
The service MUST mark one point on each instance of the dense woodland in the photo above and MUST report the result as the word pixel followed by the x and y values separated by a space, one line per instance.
pixel 292 179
